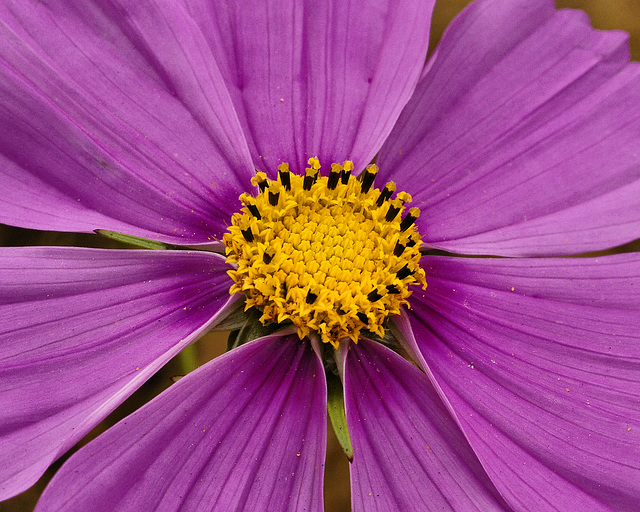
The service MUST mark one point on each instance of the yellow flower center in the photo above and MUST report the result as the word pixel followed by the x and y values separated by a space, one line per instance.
pixel 331 254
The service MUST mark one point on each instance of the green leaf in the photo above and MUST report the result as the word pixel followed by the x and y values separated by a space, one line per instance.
pixel 188 358
pixel 335 406
pixel 134 240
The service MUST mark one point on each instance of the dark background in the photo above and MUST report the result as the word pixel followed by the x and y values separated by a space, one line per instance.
pixel 605 14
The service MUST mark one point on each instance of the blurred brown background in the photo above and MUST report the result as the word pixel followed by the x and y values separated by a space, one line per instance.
pixel 605 14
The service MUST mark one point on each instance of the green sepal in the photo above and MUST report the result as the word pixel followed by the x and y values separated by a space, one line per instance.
pixel 235 318
pixel 335 406
pixel 251 329
pixel 135 240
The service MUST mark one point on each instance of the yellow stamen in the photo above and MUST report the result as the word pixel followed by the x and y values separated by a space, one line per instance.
pixel 331 254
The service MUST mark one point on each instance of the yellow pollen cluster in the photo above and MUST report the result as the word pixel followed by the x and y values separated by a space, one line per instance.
pixel 331 254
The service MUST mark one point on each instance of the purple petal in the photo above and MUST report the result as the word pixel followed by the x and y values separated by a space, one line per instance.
pixel 523 137
pixel 80 330
pixel 408 452
pixel 539 360
pixel 324 79
pixel 115 116
pixel 247 431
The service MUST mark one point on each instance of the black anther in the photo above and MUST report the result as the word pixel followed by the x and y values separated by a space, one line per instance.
pixel 392 213
pixel 247 234
pixel 254 211
pixel 374 296
pixel 285 179
pixel 404 272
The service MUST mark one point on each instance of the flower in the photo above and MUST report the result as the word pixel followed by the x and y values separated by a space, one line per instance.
pixel 519 141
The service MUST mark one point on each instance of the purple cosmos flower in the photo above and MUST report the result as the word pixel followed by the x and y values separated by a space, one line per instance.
pixel 520 138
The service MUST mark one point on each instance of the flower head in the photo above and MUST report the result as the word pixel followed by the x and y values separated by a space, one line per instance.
pixel 330 253
pixel 203 126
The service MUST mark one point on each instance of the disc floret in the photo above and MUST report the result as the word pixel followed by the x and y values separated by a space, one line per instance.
pixel 331 254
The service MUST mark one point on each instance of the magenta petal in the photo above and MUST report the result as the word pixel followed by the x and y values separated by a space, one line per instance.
pixel 247 431
pixel 80 330
pixel 408 452
pixel 115 116
pixel 310 78
pixel 539 360
pixel 523 137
